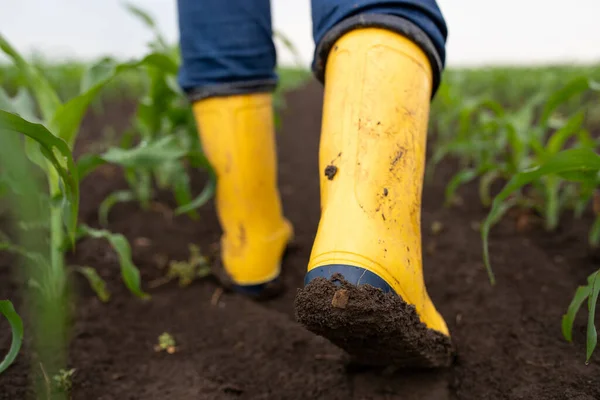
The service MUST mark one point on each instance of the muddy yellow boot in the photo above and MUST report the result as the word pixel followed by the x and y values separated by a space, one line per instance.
pixel 364 286
pixel 237 134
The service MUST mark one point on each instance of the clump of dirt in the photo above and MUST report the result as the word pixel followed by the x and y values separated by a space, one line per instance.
pixel 375 328
pixel 330 171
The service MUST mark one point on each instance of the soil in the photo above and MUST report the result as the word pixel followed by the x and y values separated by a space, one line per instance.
pixel 508 336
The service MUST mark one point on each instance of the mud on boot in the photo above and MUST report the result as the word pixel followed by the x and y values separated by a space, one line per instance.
pixel 375 328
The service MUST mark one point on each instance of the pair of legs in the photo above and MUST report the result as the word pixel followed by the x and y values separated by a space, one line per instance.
pixel 380 63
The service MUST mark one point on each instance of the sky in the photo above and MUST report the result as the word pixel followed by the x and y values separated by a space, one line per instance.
pixel 507 32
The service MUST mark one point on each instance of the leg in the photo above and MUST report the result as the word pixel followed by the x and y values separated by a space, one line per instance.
pixel 380 66
pixel 228 72
pixel 226 47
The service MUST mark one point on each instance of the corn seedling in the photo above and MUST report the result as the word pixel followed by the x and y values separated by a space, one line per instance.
pixel 46 129
pixel 46 308
pixel 494 144
pixel 548 159
pixel 165 132
pixel 581 165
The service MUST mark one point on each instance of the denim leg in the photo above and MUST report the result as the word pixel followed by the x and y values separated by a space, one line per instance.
pixel 226 47
pixel 419 20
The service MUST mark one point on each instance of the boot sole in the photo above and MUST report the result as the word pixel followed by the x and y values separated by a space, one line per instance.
pixel 373 325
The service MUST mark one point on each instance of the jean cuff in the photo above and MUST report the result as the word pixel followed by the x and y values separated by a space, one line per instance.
pixel 230 89
pixel 393 23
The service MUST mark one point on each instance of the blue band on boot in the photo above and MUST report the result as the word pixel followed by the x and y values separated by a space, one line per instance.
pixel 354 275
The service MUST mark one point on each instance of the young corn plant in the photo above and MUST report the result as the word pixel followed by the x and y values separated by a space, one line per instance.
pixel 494 144
pixel 548 160
pixel 163 140
pixel 552 165
pixel 580 165
pixel 46 128
pixel 46 314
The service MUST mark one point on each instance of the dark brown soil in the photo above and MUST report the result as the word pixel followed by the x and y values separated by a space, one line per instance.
pixel 374 328
pixel 508 337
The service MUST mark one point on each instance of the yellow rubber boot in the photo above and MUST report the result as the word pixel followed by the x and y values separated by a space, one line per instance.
pixel 372 155
pixel 237 134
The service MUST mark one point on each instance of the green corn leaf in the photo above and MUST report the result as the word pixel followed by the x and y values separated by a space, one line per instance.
pixel 100 72
pixel 583 176
pixel 289 46
pixel 96 282
pixel 142 15
pixel 129 272
pixel 46 96
pixel 16 324
pixel 552 208
pixel 572 89
pixel 592 334
pixel 573 160
pixel 583 198
pixel 147 20
pixel 160 61
pixel 559 138
pixel 87 163
pixel 493 217
pixel 457 180
pixel 56 152
pixel 585 139
pixel 202 198
pixel 107 204
pixel 180 181
pixel 485 185
pixel 22 104
pixel 146 155
pixel 493 106
pixel 167 172
pixel 594 237
pixel 67 118
pixel 36 258
pixel 581 294
pixel 183 195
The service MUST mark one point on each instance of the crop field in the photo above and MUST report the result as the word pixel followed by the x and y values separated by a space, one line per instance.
pixel 108 231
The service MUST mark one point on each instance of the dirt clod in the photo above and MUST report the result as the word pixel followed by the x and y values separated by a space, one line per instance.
pixel 330 171
pixel 340 299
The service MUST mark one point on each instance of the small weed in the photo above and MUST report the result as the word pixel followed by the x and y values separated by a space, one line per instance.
pixel 63 380
pixel 167 343
pixel 186 272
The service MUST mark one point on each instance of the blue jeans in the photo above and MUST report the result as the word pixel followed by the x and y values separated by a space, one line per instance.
pixel 227 46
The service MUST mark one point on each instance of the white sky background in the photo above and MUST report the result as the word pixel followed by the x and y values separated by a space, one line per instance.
pixel 482 32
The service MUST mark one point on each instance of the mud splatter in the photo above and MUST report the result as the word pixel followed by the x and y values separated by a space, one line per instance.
pixel 331 171
pixel 397 158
